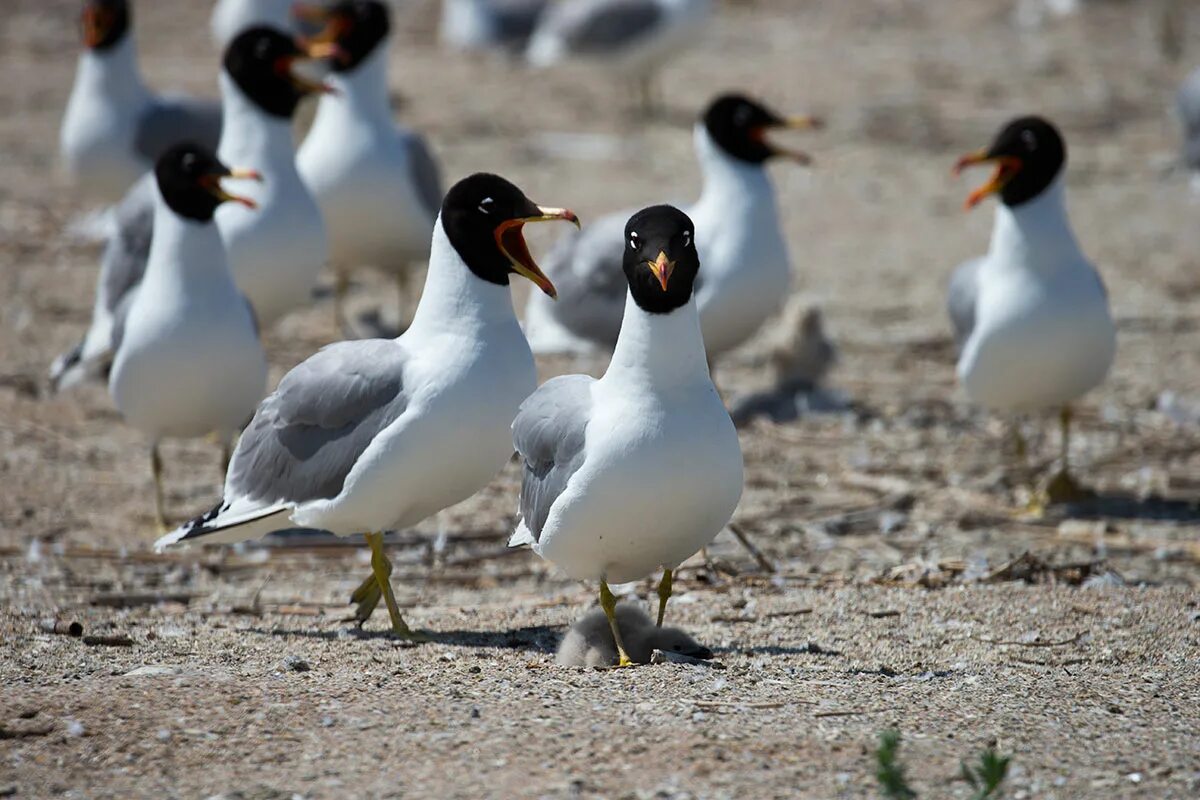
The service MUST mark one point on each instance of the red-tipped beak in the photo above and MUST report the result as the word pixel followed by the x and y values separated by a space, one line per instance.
pixel 511 242
pixel 662 267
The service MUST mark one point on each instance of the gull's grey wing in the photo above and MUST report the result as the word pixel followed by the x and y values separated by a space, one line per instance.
pixel 549 435
pixel 308 434
pixel 515 21
pixel 585 266
pixel 601 26
pixel 426 174
pixel 124 262
pixel 171 120
pixel 960 299
pixel 1187 103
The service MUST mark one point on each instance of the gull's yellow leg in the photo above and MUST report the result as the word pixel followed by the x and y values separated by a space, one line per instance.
pixel 609 603
pixel 1062 487
pixel 367 597
pixel 160 516
pixel 664 594
pixel 383 571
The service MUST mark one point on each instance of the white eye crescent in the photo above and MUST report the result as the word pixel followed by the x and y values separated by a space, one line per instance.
pixel 633 240
pixel 483 205
pixel 687 238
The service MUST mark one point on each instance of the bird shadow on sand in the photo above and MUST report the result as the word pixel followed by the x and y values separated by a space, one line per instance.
pixel 1124 506
pixel 534 638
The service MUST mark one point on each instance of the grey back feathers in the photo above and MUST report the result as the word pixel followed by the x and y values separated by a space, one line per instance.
pixel 589 642
pixel 585 266
pixel 170 120
pixel 426 175
pixel 307 436
pixel 549 434
pixel 601 26
pixel 960 299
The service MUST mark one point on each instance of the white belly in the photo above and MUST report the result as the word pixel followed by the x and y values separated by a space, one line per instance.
pixel 181 376
pixel 1037 344
pixel 651 493
pixel 364 188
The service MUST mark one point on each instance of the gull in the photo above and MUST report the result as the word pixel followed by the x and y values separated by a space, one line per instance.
pixel 641 468
pixel 188 361
pixel 1031 316
pixel 633 38
pixel 378 184
pixel 370 435
pixel 274 251
pixel 115 127
pixel 747 271
pixel 589 642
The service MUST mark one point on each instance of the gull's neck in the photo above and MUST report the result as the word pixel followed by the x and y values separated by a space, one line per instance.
pixel 186 255
pixel 1036 234
pixel 113 75
pixel 660 351
pixel 362 93
pixel 456 300
pixel 733 188
pixel 250 137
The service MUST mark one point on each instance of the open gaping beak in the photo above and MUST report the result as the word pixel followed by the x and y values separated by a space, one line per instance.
pixel 1006 168
pixel 662 267
pixel 799 123
pixel 310 51
pixel 512 244
pixel 212 183
pixel 96 22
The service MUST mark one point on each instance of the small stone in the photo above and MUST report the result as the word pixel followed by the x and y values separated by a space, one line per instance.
pixel 296 664
pixel 74 728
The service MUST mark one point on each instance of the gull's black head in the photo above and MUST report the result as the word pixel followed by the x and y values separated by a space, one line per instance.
pixel 739 126
pixel 260 60
pixel 483 215
pixel 355 26
pixel 189 179
pixel 1029 153
pixel 105 22
pixel 660 260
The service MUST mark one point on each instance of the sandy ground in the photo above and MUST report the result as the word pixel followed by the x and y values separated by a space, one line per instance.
pixel 898 597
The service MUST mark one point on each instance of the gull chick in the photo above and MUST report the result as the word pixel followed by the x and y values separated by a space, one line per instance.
pixel 641 468
pixel 589 642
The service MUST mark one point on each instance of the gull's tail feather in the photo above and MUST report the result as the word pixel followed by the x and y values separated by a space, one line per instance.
pixel 227 523
pixel 521 536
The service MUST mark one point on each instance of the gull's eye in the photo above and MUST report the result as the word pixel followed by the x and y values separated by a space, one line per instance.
pixel 189 162
pixel 633 240
pixel 687 238
pixel 485 205
pixel 1029 140
pixel 742 115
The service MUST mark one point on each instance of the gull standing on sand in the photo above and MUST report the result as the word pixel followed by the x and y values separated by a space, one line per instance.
pixel 188 361
pixel 641 468
pixel 632 38
pixel 370 435
pixel 1031 316
pixel 747 271
pixel 115 128
pixel 378 184
pixel 275 251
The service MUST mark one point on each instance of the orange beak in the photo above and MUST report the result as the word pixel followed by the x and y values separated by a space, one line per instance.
pixel 1006 168
pixel 96 22
pixel 511 242
pixel 213 184
pixel 799 123
pixel 662 267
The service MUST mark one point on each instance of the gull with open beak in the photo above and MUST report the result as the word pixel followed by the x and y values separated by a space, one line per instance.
pixel 188 362
pixel 377 182
pixel 642 468
pixel 747 271
pixel 1031 317
pixel 377 434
